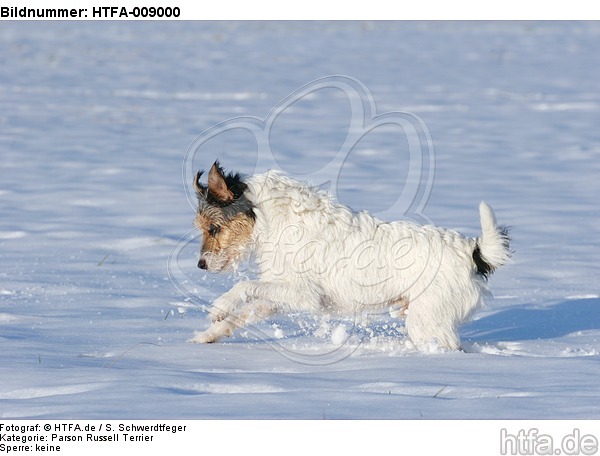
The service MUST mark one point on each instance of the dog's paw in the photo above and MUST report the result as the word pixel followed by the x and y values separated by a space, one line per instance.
pixel 204 337
pixel 214 333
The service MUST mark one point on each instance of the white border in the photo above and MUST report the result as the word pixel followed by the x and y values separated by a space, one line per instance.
pixel 293 437
pixel 347 10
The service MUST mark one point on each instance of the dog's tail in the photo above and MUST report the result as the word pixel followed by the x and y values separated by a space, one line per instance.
pixel 492 247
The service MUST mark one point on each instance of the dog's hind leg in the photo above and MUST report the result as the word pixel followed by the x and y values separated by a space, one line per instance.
pixel 428 322
pixel 250 302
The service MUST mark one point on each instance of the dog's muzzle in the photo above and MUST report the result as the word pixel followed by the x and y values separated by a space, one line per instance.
pixel 202 263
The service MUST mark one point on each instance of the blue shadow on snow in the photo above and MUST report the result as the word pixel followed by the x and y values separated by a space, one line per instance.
pixel 530 323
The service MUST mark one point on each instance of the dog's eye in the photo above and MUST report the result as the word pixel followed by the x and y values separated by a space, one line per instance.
pixel 213 230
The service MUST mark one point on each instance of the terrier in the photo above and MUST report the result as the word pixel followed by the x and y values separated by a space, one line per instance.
pixel 316 255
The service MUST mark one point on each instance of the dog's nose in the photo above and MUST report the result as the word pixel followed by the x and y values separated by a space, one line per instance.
pixel 202 263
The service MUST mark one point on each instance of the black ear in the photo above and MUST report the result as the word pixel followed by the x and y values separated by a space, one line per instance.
pixel 217 185
pixel 200 189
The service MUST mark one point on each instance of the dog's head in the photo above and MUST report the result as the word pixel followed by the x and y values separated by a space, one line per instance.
pixel 226 218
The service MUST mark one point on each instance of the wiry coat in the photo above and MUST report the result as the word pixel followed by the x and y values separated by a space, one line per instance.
pixel 315 255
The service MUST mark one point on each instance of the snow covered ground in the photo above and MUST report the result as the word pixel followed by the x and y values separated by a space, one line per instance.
pixel 98 295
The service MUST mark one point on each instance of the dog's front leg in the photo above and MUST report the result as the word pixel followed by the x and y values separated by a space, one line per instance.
pixel 225 304
pixel 249 302
pixel 234 309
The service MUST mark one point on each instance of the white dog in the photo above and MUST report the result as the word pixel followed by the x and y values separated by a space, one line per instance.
pixel 315 255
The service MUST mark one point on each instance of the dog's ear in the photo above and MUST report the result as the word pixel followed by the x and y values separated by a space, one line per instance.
pixel 200 189
pixel 217 185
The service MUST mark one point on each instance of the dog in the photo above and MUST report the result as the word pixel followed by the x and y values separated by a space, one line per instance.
pixel 316 255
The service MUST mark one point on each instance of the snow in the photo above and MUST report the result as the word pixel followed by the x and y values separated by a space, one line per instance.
pixel 99 289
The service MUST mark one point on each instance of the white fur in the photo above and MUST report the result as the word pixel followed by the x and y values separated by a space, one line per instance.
pixel 318 256
pixel 491 241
